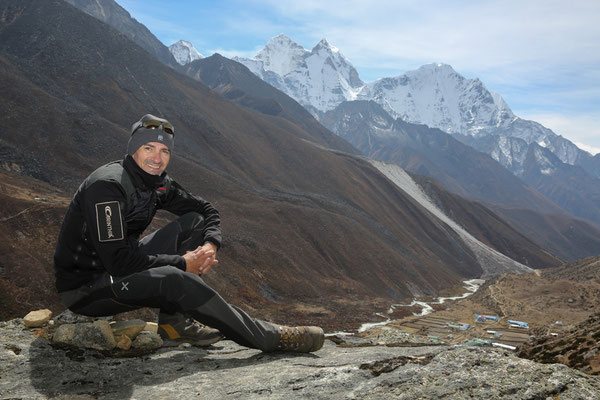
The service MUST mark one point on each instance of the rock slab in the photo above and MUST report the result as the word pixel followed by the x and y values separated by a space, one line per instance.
pixel 28 367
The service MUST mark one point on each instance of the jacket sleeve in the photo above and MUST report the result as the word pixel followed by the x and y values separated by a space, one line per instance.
pixel 179 201
pixel 104 208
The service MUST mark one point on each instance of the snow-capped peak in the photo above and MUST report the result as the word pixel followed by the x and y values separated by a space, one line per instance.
pixel 281 55
pixel 184 52
pixel 324 44
pixel 319 79
pixel 436 95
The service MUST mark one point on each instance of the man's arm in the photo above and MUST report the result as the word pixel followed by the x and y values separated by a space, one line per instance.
pixel 103 206
pixel 179 201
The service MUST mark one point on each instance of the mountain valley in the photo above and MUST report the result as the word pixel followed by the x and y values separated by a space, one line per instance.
pixel 344 204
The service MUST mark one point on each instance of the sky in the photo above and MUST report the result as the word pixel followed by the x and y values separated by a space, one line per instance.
pixel 541 56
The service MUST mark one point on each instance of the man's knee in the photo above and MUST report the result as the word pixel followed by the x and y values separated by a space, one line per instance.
pixel 187 289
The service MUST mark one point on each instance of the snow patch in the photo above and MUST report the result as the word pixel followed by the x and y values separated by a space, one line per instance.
pixel 184 52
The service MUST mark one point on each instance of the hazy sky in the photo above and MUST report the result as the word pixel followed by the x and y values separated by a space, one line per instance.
pixel 541 56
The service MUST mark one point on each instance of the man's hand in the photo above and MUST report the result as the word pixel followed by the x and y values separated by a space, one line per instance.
pixel 201 260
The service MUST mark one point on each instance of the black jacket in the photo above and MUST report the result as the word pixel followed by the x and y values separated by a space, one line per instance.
pixel 102 226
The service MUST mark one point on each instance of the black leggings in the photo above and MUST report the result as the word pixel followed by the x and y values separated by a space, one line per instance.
pixel 173 290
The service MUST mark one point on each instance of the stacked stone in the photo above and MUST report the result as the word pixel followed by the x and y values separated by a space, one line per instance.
pixel 99 334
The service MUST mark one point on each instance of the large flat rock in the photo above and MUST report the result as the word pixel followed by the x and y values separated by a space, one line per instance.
pixel 31 368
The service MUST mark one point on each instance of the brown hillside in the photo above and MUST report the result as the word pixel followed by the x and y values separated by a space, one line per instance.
pixel 308 232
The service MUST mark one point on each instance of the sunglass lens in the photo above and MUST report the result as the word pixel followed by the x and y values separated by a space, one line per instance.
pixel 151 124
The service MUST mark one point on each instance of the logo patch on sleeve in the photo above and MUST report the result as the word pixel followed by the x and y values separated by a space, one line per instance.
pixel 108 219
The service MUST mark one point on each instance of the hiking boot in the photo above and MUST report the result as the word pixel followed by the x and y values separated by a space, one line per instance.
pixel 300 339
pixel 179 329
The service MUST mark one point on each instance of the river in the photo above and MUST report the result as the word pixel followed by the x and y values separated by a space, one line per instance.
pixel 471 285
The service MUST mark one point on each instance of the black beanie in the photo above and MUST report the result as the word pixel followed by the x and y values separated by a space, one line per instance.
pixel 140 135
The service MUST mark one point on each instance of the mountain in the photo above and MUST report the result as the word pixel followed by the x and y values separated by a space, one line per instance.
pixel 309 233
pixel 431 152
pixel 236 83
pixel 568 185
pixel 439 97
pixel 567 237
pixel 434 95
pixel 492 262
pixel 109 12
pixel 184 52
pixel 318 79
pixel 472 174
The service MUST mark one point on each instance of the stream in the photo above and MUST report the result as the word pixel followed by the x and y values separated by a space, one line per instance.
pixel 470 285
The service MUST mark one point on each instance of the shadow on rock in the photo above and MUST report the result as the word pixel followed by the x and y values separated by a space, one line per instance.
pixel 57 372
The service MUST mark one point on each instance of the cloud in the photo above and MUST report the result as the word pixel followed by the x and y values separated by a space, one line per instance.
pixel 487 33
pixel 510 40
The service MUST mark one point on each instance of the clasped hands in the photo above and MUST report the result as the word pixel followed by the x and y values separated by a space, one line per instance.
pixel 201 260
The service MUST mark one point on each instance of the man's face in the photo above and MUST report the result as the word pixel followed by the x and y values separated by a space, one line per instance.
pixel 152 157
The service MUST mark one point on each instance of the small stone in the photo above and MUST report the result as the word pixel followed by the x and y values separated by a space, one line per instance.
pixel 147 341
pixel 96 335
pixel 151 327
pixel 124 342
pixel 570 300
pixel 64 334
pixel 37 318
pixel 130 328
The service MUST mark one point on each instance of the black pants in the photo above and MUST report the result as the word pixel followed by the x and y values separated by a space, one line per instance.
pixel 173 290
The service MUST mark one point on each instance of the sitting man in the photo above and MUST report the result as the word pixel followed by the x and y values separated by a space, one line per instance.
pixel 103 267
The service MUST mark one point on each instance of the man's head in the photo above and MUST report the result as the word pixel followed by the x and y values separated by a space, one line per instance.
pixel 151 143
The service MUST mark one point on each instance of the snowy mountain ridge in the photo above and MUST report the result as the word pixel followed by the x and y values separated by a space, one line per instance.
pixel 319 79
pixel 437 96
pixel 434 95
pixel 184 52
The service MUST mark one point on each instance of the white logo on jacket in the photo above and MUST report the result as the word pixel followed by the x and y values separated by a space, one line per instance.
pixel 108 214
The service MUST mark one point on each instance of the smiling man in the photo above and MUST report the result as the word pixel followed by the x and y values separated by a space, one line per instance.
pixel 103 267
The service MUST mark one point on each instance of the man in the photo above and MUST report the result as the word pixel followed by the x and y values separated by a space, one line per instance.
pixel 103 267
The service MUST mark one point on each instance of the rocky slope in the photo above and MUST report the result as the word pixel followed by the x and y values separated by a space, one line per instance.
pixel 431 152
pixel 236 83
pixel 474 175
pixel 300 221
pixel 111 13
pixel 578 348
pixel 28 368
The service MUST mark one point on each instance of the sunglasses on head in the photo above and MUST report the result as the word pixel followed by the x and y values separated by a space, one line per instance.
pixel 153 123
